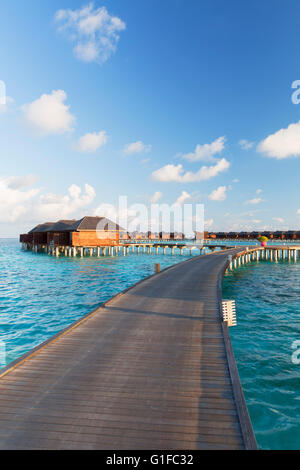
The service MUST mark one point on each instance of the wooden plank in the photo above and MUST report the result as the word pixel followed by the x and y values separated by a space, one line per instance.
pixel 238 394
pixel 149 369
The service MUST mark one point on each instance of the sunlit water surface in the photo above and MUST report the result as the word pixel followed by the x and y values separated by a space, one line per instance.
pixel 40 294
pixel 268 308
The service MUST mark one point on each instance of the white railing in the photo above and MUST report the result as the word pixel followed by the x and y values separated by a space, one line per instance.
pixel 229 312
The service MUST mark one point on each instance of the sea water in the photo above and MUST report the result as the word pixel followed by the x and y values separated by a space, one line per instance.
pixel 268 323
pixel 40 295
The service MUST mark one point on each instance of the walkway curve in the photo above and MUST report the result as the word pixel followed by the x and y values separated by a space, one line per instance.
pixel 152 369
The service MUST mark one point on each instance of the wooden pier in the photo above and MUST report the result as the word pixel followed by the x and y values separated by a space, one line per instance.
pixel 121 249
pixel 268 253
pixel 151 369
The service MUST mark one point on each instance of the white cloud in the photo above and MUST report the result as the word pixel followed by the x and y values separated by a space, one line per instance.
pixel 245 144
pixel 92 142
pixel 87 52
pixel 182 198
pixel 206 152
pixel 236 180
pixel 156 197
pixel 136 148
pixel 283 143
pixel 208 223
pixel 259 191
pixel 94 32
pixel 13 202
pixel 278 219
pixel 298 211
pixel 49 114
pixel 18 204
pixel 175 173
pixel 218 194
pixel 53 206
pixel 2 93
pixel 256 200
pixel 19 182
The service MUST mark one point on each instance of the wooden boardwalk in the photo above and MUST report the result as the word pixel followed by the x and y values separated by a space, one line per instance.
pixel 153 369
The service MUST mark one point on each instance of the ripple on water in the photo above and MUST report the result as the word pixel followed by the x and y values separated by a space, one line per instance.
pixel 268 307
pixel 41 295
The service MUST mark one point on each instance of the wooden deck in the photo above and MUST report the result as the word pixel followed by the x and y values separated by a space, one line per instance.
pixel 153 369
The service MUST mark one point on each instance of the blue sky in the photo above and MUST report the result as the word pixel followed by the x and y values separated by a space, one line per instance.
pixel 117 94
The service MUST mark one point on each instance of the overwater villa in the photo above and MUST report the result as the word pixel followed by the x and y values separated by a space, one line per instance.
pixel 86 232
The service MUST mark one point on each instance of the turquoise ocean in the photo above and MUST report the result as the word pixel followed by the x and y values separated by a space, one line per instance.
pixel 267 296
pixel 40 295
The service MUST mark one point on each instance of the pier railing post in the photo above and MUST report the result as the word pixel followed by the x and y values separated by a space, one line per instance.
pixel 229 312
